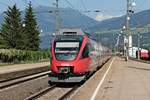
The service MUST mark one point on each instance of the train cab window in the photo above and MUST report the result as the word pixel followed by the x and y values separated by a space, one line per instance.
pixel 85 52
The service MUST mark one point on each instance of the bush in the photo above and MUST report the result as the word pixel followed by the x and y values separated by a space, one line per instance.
pixel 13 55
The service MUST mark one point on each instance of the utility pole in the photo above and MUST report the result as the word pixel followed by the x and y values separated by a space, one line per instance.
pixel 128 36
pixel 117 43
pixel 139 45
pixel 126 40
pixel 57 20
pixel 139 36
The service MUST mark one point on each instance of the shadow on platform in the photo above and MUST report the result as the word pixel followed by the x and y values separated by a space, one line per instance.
pixel 146 69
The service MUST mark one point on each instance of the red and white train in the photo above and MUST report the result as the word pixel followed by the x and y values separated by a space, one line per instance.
pixel 143 53
pixel 74 56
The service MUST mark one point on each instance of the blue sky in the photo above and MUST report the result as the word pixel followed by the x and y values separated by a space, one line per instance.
pixel 109 8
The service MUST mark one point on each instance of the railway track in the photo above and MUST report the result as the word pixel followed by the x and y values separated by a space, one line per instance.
pixel 19 80
pixel 36 87
pixel 40 93
pixel 69 93
pixel 57 92
pixel 139 60
pixel 61 93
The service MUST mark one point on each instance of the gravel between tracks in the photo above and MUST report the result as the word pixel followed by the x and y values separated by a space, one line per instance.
pixel 23 90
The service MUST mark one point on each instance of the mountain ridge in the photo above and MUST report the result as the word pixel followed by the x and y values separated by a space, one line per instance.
pixel 71 18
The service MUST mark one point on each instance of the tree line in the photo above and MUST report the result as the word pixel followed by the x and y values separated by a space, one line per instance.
pixel 17 32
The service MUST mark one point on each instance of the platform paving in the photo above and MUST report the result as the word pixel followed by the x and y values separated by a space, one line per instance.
pixel 18 67
pixel 125 81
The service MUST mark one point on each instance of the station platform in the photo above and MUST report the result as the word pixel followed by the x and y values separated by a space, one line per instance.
pixel 18 67
pixel 118 80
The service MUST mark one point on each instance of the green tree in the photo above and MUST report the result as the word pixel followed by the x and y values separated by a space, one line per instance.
pixel 147 26
pixel 11 31
pixel 31 29
pixel 2 45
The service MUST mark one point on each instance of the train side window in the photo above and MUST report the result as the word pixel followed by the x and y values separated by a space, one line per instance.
pixel 85 52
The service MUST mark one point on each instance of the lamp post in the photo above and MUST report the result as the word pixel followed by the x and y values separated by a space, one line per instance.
pixel 125 39
pixel 117 43
pixel 58 20
pixel 23 25
pixel 41 31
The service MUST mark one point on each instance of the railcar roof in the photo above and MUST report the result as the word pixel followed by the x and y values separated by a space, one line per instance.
pixel 69 37
pixel 71 31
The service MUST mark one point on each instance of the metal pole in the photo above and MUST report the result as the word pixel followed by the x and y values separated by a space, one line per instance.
pixel 138 30
pixel 127 29
pixel 138 46
pixel 127 15
pixel 132 52
pixel 117 43
pixel 58 25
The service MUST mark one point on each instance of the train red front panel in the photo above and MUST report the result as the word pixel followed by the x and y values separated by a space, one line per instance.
pixel 79 65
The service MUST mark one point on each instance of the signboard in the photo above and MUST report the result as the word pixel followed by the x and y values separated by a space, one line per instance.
pixel 67 44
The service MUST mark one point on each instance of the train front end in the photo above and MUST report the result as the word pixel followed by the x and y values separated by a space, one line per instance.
pixel 66 62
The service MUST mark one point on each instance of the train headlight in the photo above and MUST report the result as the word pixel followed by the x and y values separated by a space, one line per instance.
pixel 64 70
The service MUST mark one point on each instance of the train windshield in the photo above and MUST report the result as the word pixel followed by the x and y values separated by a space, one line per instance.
pixel 66 50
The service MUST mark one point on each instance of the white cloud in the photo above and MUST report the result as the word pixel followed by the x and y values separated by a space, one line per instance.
pixel 101 17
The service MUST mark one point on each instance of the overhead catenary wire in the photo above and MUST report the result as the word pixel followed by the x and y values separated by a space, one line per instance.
pixel 142 4
pixel 11 1
pixel 82 2
pixel 7 5
pixel 85 8
pixel 138 24
pixel 2 3
pixel 82 11
pixel 84 25
pixel 36 3
pixel 72 6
